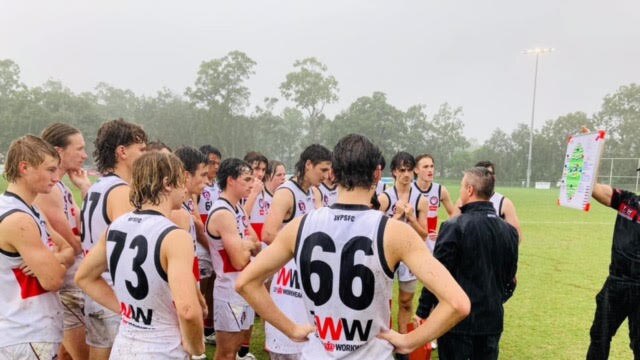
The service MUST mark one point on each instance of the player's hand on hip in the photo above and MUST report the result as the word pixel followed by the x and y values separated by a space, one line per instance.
pixel 399 341
pixel 299 333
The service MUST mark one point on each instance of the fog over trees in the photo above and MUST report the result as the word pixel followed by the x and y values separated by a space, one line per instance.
pixel 216 110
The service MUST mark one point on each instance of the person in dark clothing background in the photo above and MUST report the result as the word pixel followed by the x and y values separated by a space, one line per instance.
pixel 481 252
pixel 620 295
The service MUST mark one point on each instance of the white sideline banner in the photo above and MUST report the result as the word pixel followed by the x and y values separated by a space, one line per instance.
pixel 580 170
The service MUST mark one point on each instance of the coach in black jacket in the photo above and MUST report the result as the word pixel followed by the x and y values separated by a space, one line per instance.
pixel 481 252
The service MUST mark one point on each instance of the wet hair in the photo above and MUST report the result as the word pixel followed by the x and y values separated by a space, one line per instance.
pixel 487 164
pixel 29 148
pixel 482 180
pixel 423 156
pixel 271 169
pixel 151 173
pixel 57 134
pixel 208 149
pixel 315 153
pixel 254 156
pixel 233 168
pixel 112 134
pixel 401 159
pixel 191 158
pixel 382 162
pixel 354 161
pixel 157 145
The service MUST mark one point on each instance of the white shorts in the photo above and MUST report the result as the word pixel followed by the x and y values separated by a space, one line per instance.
pixel 30 351
pixel 232 317
pixel 276 356
pixel 431 244
pixel 102 324
pixel 73 305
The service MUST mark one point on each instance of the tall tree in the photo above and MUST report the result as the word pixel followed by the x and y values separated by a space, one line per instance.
pixel 311 89
pixel 620 116
pixel 375 118
pixel 220 90
pixel 446 137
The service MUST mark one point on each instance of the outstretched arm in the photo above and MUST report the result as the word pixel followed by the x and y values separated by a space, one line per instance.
pixel 250 283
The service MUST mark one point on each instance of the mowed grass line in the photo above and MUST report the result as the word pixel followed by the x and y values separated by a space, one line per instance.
pixel 563 263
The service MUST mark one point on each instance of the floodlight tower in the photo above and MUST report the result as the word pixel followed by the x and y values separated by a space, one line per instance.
pixel 537 52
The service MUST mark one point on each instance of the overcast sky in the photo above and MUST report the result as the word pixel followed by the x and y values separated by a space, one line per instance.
pixel 466 53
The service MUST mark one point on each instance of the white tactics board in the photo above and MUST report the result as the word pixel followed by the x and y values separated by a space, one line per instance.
pixel 580 169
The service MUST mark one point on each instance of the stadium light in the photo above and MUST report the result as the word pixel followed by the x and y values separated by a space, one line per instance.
pixel 537 52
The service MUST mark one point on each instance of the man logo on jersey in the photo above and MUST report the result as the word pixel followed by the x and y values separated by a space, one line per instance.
pixel 301 206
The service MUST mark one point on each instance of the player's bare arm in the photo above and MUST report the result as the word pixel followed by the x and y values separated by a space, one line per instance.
pixel 118 202
pixel 250 283
pixel 281 209
pixel 418 222
pixel 383 199
pixel 50 205
pixel 403 244
pixel 176 258
pixel 602 193
pixel 89 277
pixel 445 199
pixel 223 224
pixel 19 233
pixel 63 251
pixel 511 217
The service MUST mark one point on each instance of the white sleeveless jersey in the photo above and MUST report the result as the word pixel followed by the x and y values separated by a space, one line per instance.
pixel 260 211
pixel 285 285
pixel 433 195
pixel 209 195
pixel 94 213
pixel 94 210
pixel 392 195
pixel 70 211
pixel 346 282
pixel 303 202
pixel 497 200
pixel 28 312
pixel 149 326
pixel 329 196
pixel 226 274
pixel 189 207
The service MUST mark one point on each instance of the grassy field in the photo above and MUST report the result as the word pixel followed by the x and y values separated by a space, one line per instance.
pixel 563 263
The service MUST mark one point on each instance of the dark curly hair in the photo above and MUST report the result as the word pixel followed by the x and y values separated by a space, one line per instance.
pixel 191 158
pixel 112 134
pixel 355 159
pixel 232 168
pixel 315 153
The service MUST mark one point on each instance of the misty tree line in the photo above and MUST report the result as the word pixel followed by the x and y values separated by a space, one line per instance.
pixel 216 110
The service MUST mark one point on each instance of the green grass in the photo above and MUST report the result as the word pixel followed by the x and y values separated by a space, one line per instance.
pixel 564 260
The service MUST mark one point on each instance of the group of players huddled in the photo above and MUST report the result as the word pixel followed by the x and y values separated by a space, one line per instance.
pixel 173 249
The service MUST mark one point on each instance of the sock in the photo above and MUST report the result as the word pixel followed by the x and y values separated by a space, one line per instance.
pixel 244 350
pixel 208 331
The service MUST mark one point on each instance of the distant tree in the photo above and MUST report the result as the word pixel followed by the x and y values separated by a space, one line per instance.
pixel 375 118
pixel 220 90
pixel 311 89
pixel 620 116
pixel 445 137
